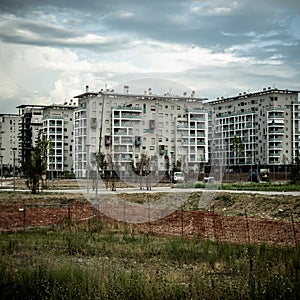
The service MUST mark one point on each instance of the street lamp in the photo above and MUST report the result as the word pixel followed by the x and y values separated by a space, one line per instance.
pixel 14 169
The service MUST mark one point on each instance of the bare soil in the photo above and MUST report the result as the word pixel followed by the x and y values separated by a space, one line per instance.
pixel 227 217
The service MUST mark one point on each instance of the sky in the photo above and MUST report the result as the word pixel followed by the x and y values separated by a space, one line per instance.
pixel 50 50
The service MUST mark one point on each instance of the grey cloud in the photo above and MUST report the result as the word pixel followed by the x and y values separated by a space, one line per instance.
pixel 41 34
pixel 159 19
pixel 258 29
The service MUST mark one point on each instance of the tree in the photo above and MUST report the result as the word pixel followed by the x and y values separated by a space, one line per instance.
pixel 295 170
pixel 36 165
pixel 102 164
pixel 143 169
pixel 238 148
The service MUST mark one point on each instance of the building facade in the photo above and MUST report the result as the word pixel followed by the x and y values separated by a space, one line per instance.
pixel 9 143
pixel 170 130
pixel 58 127
pixel 256 129
pixel 31 121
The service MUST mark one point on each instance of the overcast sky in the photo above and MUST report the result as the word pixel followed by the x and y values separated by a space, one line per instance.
pixel 49 50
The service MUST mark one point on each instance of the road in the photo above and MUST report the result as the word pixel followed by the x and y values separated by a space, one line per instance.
pixel 103 191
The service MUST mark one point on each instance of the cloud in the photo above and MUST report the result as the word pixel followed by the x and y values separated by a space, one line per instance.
pixel 51 49
pixel 27 32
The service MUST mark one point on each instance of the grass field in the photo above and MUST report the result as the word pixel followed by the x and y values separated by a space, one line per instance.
pixel 109 260
pixel 98 260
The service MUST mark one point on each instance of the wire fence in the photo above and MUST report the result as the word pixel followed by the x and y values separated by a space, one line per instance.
pixel 196 224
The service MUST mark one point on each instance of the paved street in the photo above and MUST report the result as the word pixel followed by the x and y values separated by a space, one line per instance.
pixel 103 191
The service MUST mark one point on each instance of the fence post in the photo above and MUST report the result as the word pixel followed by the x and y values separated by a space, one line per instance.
pixel 24 217
pixel 95 212
pixel 181 208
pixel 69 213
pixel 247 224
pixel 294 229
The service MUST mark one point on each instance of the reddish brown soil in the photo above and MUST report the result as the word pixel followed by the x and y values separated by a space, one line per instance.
pixel 26 212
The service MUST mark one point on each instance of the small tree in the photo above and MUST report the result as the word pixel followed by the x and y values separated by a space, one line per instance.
pixel 295 170
pixel 36 165
pixel 238 148
pixel 143 169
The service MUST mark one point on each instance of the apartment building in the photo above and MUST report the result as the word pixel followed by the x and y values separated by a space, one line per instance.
pixel 59 129
pixel 29 127
pixel 260 128
pixel 9 143
pixel 170 130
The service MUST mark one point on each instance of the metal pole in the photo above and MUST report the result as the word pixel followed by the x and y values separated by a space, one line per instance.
pixel 87 168
pixel 14 169
pixel 1 157
pixel 97 179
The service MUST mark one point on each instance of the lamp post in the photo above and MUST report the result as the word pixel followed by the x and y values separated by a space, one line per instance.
pixel 1 157
pixel 87 167
pixel 14 169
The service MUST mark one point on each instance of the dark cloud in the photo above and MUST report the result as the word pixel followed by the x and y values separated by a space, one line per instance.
pixel 169 21
pixel 265 33
pixel 22 31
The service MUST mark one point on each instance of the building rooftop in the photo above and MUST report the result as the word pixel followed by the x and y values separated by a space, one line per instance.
pixel 63 106
pixel 247 95
pixel 112 94
pixel 31 105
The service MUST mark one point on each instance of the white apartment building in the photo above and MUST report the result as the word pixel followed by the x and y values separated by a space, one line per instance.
pixel 264 126
pixel 9 143
pixel 170 130
pixel 58 127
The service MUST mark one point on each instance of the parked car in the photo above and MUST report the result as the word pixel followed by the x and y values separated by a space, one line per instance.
pixel 178 177
pixel 208 179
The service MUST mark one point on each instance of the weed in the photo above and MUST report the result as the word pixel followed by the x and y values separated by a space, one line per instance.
pixel 78 264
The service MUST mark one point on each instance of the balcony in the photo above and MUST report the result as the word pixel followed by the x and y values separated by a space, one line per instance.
pixel 131 116
pixel 197 119
pixel 279 109
pixel 276 131
pixel 52 117
pixel 273 155
pixel 275 147
pixel 274 139
pixel 130 108
pixel 185 126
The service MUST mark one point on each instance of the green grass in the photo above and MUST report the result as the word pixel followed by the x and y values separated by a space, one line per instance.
pixel 102 261
pixel 248 186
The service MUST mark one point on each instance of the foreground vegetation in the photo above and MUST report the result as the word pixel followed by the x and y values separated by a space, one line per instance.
pixel 111 261
pixel 246 186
